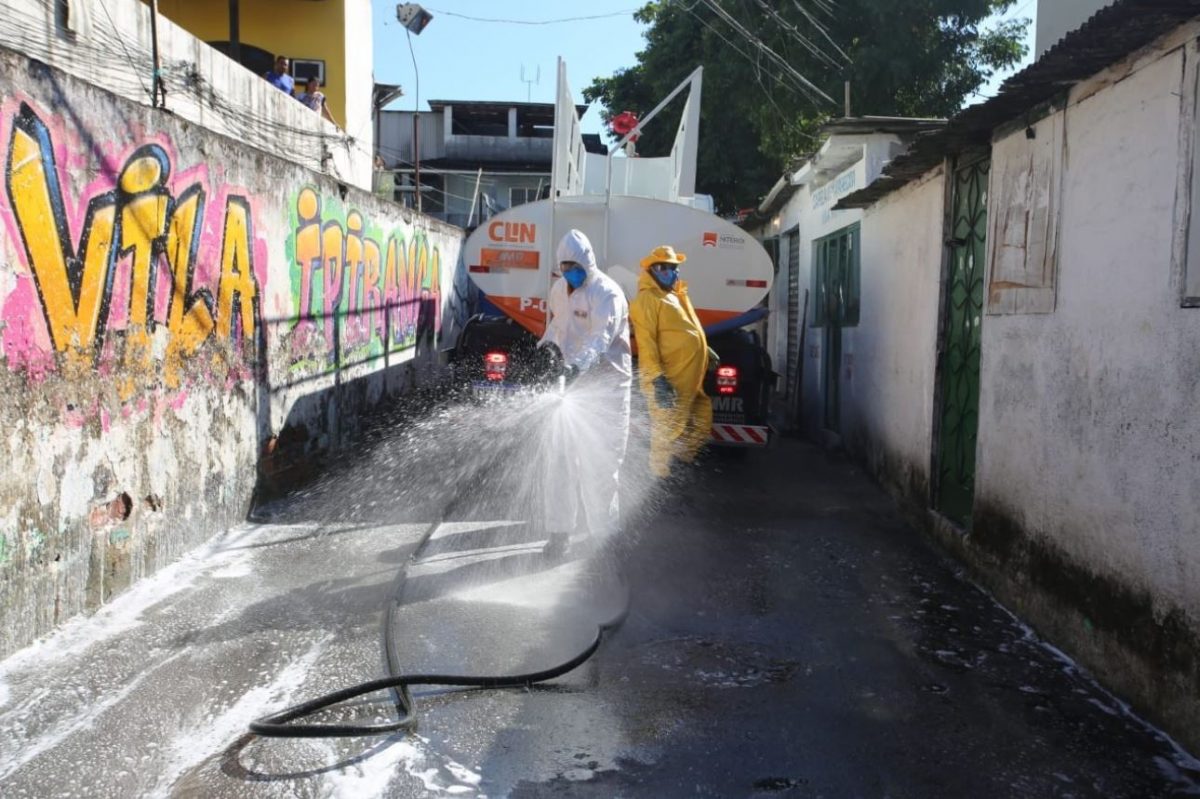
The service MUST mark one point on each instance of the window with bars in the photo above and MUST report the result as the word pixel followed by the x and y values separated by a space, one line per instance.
pixel 836 279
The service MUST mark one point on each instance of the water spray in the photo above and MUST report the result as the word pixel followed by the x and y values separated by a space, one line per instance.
pixel 282 724
pixel 292 722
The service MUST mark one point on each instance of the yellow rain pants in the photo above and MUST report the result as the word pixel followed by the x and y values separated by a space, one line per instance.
pixel 671 342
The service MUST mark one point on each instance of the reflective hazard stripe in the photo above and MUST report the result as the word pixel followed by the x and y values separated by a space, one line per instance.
pixel 740 434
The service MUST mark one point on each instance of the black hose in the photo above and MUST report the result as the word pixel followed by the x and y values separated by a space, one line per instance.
pixel 278 725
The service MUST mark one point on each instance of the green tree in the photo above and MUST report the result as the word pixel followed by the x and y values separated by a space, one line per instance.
pixel 916 58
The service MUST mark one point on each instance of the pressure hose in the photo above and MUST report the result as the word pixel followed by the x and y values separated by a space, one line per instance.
pixel 282 724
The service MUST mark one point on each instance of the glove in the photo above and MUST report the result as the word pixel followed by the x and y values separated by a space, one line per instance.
pixel 714 360
pixel 570 374
pixel 664 392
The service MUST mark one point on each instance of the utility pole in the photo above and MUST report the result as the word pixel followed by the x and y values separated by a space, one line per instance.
pixel 414 19
pixel 157 88
pixel 235 32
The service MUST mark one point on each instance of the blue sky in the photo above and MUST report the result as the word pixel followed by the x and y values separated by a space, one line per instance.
pixel 463 59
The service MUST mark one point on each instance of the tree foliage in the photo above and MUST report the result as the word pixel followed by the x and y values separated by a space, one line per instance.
pixel 916 58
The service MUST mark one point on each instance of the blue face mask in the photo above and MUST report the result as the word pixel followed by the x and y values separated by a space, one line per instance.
pixel 574 276
pixel 665 277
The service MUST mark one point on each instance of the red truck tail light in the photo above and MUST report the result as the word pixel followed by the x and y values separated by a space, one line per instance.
pixel 727 379
pixel 495 365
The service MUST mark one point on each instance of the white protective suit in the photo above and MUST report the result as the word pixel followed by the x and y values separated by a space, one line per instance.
pixel 590 326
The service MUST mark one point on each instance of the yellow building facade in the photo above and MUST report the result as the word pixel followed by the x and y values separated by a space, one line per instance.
pixel 312 32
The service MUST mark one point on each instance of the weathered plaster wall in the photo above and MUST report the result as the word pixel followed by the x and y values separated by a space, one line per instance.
pixel 173 305
pixel 1088 482
pixel 888 405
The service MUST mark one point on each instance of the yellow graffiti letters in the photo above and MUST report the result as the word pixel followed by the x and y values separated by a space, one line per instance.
pixel 161 234
pixel 73 291
pixel 238 297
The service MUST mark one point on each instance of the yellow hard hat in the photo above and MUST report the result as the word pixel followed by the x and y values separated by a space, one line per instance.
pixel 664 254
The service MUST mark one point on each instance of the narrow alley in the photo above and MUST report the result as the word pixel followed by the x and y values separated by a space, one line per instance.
pixel 788 635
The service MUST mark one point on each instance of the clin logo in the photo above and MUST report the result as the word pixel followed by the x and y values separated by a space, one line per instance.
pixel 710 239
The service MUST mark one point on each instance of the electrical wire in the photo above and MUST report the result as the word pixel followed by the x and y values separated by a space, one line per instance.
pixel 535 21
pixel 121 40
pixel 782 77
pixel 828 9
pixel 800 37
pixel 809 87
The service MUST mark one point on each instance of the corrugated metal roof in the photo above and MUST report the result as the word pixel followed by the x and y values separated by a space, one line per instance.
pixel 1110 35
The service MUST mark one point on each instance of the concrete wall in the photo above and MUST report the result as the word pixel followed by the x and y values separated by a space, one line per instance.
pixel 174 306
pixel 109 44
pixel 359 77
pixel 1086 510
pixel 1057 18
pixel 1088 486
pixel 888 403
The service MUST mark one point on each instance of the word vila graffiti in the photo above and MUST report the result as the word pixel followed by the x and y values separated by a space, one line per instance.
pixel 134 264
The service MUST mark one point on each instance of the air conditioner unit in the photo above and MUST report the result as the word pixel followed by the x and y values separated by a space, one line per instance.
pixel 305 68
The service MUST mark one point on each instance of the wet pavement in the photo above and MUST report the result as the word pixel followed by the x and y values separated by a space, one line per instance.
pixel 787 636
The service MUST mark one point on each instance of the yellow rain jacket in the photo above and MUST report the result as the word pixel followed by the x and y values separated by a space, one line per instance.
pixel 671 342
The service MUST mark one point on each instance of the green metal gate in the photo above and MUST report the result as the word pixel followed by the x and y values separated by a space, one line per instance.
pixel 836 277
pixel 958 406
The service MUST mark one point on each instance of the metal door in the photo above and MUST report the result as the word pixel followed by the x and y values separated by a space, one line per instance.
pixel 791 383
pixel 836 276
pixel 958 367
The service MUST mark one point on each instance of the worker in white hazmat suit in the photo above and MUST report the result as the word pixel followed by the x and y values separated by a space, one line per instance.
pixel 589 324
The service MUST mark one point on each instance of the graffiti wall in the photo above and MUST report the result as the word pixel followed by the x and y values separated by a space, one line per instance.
pixel 172 305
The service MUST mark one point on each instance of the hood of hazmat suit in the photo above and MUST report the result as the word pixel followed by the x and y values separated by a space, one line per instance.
pixel 590 324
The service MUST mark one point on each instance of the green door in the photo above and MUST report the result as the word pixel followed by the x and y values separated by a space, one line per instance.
pixel 836 276
pixel 958 367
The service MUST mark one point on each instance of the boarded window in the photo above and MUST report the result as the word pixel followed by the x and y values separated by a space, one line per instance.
pixel 1026 187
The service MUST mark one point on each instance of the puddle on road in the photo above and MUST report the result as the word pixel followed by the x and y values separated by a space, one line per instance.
pixel 718 665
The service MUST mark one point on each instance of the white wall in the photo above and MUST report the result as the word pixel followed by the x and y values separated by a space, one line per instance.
pixel 111 47
pixel 1057 18
pixel 811 208
pixel 888 403
pixel 1089 426
pixel 360 84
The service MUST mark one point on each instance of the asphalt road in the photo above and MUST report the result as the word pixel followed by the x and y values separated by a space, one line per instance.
pixel 787 636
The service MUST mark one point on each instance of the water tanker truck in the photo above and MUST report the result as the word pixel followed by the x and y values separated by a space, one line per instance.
pixel 627 206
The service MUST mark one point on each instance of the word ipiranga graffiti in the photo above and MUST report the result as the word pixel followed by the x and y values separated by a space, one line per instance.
pixel 368 289
pixel 137 274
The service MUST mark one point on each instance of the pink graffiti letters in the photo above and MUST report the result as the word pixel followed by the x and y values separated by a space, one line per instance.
pixel 143 261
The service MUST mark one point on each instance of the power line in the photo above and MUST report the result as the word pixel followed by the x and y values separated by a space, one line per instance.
pixel 783 77
pixel 535 21
pixel 808 86
pixel 800 37
pixel 121 39
pixel 828 9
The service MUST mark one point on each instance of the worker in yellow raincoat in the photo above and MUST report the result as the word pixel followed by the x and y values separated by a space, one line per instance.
pixel 673 357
